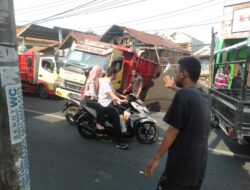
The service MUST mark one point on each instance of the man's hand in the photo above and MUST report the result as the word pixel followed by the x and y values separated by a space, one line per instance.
pixel 169 138
pixel 124 91
pixel 124 101
pixel 150 167
pixel 169 82
pixel 136 95
pixel 124 97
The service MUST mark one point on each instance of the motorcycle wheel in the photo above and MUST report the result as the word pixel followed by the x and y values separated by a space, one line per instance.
pixel 86 126
pixel 70 114
pixel 147 133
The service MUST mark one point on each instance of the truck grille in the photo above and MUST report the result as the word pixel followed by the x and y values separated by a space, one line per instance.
pixel 69 85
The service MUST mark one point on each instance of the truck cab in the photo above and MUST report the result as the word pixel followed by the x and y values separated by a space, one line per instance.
pixel 81 58
pixel 38 74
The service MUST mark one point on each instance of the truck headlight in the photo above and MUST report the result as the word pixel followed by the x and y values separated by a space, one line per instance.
pixel 61 82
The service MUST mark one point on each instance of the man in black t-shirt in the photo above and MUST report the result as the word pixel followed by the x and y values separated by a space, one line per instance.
pixel 186 138
pixel 237 82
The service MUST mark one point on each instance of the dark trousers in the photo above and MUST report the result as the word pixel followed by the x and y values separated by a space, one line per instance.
pixel 165 184
pixel 112 115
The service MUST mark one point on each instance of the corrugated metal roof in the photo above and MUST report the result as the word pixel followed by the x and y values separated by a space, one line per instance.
pixel 36 31
pixel 150 39
pixel 143 37
pixel 77 36
pixel 37 49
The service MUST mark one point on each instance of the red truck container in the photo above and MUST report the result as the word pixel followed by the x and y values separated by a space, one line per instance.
pixel 147 68
pixel 38 74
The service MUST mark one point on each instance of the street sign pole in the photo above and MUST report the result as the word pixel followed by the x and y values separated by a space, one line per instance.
pixel 14 166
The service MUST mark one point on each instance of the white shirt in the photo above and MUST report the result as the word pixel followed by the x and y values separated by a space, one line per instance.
pixel 105 86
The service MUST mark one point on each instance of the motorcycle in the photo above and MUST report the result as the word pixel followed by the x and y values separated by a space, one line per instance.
pixel 138 123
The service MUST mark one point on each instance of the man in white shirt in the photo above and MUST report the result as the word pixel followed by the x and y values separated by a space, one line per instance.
pixel 106 98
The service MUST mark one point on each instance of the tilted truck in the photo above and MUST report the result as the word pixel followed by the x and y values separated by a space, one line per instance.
pixel 38 74
pixel 83 56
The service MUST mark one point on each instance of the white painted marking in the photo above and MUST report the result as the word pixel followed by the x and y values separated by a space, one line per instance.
pixel 41 113
pixel 215 151
pixel 228 153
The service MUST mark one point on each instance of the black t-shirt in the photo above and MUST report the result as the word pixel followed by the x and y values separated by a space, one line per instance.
pixel 187 157
pixel 237 83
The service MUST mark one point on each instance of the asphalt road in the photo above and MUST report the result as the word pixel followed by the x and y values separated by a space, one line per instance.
pixel 60 159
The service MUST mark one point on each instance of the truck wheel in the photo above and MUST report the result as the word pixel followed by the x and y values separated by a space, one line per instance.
pixel 147 133
pixel 215 122
pixel 247 139
pixel 42 91
pixel 70 114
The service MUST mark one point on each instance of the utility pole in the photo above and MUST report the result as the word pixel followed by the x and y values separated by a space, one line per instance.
pixel 211 57
pixel 14 166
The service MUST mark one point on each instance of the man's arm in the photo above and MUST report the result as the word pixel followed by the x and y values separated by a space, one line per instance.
pixel 121 95
pixel 169 138
pixel 126 89
pixel 115 97
pixel 138 92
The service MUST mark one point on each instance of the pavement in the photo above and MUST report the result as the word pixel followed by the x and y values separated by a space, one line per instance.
pixel 60 159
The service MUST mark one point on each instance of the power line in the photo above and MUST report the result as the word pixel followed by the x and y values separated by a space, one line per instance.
pixel 182 13
pixel 66 11
pixel 97 6
pixel 84 12
pixel 79 13
pixel 42 6
pixel 55 18
pixel 180 27
pixel 113 7
pixel 168 17
pixel 166 13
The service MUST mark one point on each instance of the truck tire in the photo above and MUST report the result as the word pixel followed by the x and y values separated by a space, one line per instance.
pixel 215 122
pixel 147 133
pixel 42 91
pixel 247 139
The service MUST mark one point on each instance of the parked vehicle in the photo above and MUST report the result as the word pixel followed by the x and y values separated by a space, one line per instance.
pixel 231 104
pixel 139 124
pixel 86 54
pixel 38 74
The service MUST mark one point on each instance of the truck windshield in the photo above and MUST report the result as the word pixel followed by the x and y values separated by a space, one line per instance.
pixel 86 59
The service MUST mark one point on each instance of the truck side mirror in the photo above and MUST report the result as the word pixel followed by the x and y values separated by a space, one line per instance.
pixel 117 63
pixel 59 64
pixel 29 62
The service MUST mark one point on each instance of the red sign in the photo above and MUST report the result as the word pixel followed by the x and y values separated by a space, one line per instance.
pixel 241 20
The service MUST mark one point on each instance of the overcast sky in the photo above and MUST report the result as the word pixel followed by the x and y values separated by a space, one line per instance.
pixel 193 17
